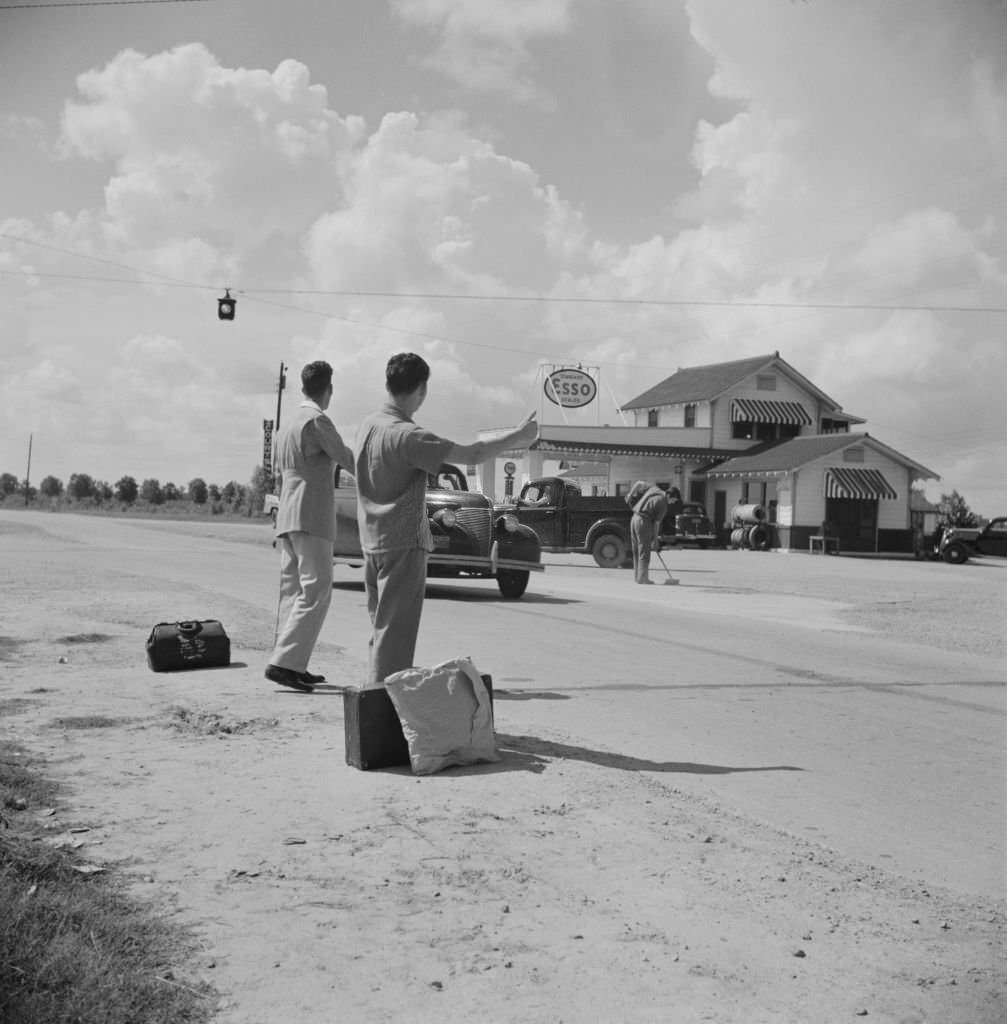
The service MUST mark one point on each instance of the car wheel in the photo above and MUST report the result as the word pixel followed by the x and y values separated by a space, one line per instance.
pixel 609 551
pixel 956 554
pixel 512 582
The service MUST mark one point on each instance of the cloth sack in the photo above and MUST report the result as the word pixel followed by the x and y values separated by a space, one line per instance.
pixel 446 715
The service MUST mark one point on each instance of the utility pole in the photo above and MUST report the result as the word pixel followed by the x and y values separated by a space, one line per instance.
pixel 27 475
pixel 280 385
pixel 279 393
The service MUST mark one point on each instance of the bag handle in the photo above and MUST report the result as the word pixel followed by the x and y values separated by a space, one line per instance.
pixel 190 628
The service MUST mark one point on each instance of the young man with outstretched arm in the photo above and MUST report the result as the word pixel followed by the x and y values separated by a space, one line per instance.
pixel 394 456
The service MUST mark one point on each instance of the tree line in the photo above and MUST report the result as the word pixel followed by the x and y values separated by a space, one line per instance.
pixel 83 490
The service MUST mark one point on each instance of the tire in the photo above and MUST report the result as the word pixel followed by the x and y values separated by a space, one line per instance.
pixel 512 582
pixel 956 554
pixel 609 551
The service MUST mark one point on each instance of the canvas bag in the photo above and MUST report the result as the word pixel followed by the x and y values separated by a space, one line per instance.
pixel 446 715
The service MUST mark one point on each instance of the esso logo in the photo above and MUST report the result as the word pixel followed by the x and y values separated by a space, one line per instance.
pixel 570 388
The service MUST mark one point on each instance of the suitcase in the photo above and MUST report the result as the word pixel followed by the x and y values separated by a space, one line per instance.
pixel 172 646
pixel 374 737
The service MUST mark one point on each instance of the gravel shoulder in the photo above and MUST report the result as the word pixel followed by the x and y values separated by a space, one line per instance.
pixel 545 888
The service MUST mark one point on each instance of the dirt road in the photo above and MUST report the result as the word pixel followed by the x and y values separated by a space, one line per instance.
pixel 567 883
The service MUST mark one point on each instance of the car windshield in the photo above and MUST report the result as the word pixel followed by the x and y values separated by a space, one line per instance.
pixel 446 480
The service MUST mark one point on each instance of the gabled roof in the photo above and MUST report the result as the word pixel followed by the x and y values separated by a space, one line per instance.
pixel 799 451
pixel 704 383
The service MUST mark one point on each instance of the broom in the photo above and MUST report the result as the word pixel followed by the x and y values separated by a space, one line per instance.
pixel 670 581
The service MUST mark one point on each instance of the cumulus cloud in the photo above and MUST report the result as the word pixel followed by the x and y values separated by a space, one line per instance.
pixel 429 206
pixel 203 151
pixel 822 178
pixel 485 44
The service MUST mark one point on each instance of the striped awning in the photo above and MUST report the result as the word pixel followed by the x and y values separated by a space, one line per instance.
pixel 760 410
pixel 857 484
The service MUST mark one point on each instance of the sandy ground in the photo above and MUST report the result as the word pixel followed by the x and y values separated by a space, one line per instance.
pixel 545 888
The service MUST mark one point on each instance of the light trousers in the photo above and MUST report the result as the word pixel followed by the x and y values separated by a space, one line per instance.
pixel 396 583
pixel 305 595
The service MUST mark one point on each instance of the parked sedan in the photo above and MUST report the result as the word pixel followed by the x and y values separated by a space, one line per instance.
pixel 471 538
pixel 690 526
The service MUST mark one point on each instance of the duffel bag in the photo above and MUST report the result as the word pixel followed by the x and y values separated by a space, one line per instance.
pixel 194 644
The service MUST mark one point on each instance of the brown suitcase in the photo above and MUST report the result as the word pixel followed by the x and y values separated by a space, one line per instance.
pixel 374 736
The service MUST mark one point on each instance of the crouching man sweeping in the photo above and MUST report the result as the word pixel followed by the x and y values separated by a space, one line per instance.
pixel 650 506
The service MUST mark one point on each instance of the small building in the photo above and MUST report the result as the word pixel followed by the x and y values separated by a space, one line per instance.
pixel 859 487
pixel 749 431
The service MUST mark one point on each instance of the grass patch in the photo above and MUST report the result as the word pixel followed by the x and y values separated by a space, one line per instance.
pixel 74 947
pixel 206 723
pixel 85 638
pixel 88 722
pixel 21 782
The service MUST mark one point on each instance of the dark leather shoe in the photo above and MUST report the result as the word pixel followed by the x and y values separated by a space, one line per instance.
pixel 310 677
pixel 288 677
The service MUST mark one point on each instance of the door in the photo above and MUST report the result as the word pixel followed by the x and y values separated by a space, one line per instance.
pixel 537 507
pixel 854 521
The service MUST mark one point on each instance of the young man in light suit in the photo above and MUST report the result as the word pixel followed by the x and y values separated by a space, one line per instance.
pixel 308 449
pixel 394 456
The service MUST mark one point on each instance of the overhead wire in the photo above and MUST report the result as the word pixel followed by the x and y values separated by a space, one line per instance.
pixel 95 3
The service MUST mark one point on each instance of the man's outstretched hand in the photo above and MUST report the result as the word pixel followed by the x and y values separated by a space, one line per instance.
pixel 527 429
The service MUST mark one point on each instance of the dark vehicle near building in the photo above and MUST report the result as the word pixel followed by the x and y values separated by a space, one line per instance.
pixel 568 521
pixel 598 525
pixel 472 539
pixel 960 543
pixel 690 526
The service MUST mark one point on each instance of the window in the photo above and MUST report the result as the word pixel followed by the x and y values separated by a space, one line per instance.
pixel 742 429
pixel 690 415
pixel 765 382
pixel 853 455
pixel 744 492
pixel 651 417
pixel 697 491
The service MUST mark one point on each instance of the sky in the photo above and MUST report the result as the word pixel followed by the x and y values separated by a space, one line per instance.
pixel 504 186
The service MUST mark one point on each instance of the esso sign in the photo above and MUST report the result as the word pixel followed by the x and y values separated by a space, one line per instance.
pixel 570 388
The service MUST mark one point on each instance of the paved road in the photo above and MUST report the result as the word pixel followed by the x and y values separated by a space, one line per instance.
pixel 750 682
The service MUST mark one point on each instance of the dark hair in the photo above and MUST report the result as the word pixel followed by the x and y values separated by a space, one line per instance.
pixel 405 372
pixel 315 378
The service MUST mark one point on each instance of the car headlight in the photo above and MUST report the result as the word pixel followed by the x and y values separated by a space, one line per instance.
pixel 508 522
pixel 445 517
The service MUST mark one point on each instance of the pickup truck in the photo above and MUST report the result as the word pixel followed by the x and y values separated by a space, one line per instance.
pixel 959 543
pixel 567 521
pixel 472 538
